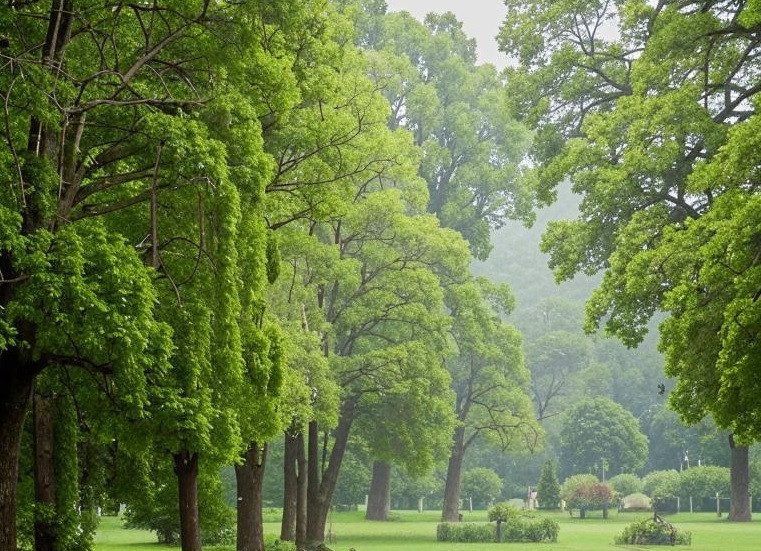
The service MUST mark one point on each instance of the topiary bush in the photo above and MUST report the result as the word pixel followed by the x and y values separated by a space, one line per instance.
pixel 465 532
pixel 528 530
pixel 652 532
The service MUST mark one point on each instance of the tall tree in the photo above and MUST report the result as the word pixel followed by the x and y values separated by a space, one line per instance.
pixel 457 113
pixel 630 116
pixel 489 381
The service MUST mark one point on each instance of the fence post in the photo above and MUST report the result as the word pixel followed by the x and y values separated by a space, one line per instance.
pixel 690 504
pixel 718 505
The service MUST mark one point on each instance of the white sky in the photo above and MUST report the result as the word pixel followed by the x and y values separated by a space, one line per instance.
pixel 481 20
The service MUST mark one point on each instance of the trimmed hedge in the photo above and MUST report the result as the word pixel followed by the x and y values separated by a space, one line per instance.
pixel 465 532
pixel 514 530
pixel 649 532
pixel 530 530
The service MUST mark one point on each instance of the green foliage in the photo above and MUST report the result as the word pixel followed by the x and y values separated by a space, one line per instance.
pixel 649 532
pixel 502 512
pixel 665 159
pixel 272 543
pixel 548 488
pixel 626 483
pixel 704 481
pixel 586 493
pixel 456 113
pixel 659 484
pixel 150 491
pixel 465 532
pixel 482 484
pixel 528 530
pixel 597 432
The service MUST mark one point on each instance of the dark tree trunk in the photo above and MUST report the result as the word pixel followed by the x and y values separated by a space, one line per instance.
pixel 16 384
pixel 739 502
pixel 290 489
pixel 186 469
pixel 379 501
pixel 451 512
pixel 301 491
pixel 320 491
pixel 44 472
pixel 250 479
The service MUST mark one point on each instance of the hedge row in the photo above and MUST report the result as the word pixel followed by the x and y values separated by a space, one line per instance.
pixel 516 530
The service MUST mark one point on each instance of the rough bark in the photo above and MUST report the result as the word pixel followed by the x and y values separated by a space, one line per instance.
pixel 301 491
pixel 250 479
pixel 739 503
pixel 45 535
pixel 290 489
pixel 451 512
pixel 186 469
pixel 16 385
pixel 320 490
pixel 379 501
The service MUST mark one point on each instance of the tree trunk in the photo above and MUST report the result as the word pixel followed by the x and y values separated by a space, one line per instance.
pixel 451 512
pixel 290 489
pixel 250 479
pixel 45 535
pixel 16 385
pixel 320 491
pixel 379 502
pixel 301 491
pixel 739 503
pixel 186 469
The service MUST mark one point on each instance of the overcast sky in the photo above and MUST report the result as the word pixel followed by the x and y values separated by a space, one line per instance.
pixel 480 20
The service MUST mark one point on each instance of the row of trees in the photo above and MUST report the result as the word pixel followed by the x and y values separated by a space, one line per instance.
pixel 227 221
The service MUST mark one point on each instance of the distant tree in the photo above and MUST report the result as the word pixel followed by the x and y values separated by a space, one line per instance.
pixel 599 434
pixel 585 493
pixel 548 489
pixel 483 485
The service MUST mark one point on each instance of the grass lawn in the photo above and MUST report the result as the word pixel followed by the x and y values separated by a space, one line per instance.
pixel 410 530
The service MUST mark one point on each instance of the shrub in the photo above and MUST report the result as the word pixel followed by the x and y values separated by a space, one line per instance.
pixel 465 532
pixel 704 481
pixel 626 484
pixel 272 543
pixel 659 484
pixel 650 532
pixel 531 530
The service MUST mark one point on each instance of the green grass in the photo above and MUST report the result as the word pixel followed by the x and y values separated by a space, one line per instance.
pixel 416 531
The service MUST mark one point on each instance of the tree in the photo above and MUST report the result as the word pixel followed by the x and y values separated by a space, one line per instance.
pixel 585 493
pixel 599 435
pixel 548 488
pixel 456 112
pixel 489 380
pixel 553 359
pixel 482 485
pixel 633 119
